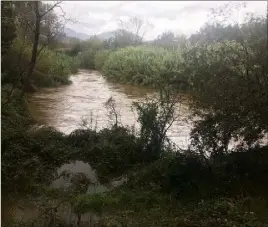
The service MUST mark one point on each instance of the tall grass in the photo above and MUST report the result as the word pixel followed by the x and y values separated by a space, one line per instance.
pixel 100 58
pixel 86 59
pixel 149 66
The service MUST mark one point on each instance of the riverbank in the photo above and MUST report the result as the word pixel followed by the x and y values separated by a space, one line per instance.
pixel 167 188
pixel 175 190
pixel 66 107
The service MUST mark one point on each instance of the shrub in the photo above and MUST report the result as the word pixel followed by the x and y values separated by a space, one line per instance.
pixel 229 82
pixel 150 66
pixel 156 116
pixel 221 212
pixel 51 68
pixel 86 59
pixel 189 176
pixel 100 58
pixel 28 157
pixel 110 151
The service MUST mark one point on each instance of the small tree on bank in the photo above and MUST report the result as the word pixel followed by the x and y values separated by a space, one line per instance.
pixel 156 116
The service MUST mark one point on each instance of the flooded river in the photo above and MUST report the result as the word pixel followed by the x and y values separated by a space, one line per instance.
pixel 64 107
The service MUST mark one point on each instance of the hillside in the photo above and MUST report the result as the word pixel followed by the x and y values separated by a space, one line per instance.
pixel 106 35
pixel 79 35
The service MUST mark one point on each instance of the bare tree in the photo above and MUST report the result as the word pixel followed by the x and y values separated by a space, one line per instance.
pixel 227 13
pixel 110 105
pixel 45 25
pixel 137 26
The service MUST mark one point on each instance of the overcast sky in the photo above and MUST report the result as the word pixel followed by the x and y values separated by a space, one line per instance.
pixel 94 17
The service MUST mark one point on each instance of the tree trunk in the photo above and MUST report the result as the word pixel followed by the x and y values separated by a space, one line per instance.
pixel 27 86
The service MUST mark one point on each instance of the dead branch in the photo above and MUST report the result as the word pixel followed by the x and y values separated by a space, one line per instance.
pixel 51 8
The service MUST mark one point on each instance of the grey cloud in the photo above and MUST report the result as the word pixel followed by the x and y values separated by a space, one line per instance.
pixel 94 17
pixel 153 10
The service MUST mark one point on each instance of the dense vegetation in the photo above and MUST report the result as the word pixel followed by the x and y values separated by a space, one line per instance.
pixel 142 65
pixel 220 180
pixel 51 68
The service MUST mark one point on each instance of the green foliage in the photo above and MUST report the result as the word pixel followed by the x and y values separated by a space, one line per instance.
pixel 110 151
pixel 216 33
pixel 190 176
pixel 142 66
pixel 225 68
pixel 146 208
pixel 155 118
pixel 123 38
pixel 51 68
pixel 75 49
pixel 166 40
pixel 15 116
pixel 229 82
pixel 100 58
pixel 185 176
pixel 29 159
pixel 86 59
pixel 89 50
pixel 116 150
pixel 222 212
pixel 8 29
pixel 93 203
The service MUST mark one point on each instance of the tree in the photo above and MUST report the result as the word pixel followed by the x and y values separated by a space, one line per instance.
pixel 137 27
pixel 8 28
pixel 230 82
pixel 43 20
pixel 109 43
pixel 166 39
pixel 156 116
pixel 221 26
pixel 124 38
pixel 215 33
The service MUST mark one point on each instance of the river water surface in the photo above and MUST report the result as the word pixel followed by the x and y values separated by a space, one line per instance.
pixel 64 107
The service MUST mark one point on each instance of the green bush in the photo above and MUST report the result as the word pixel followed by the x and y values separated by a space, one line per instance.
pixel 189 176
pixel 86 59
pixel 156 116
pixel 149 66
pixel 89 49
pixel 229 82
pixel 54 68
pixel 221 212
pixel 15 116
pixel 100 58
pixel 110 151
pixel 51 68
pixel 31 158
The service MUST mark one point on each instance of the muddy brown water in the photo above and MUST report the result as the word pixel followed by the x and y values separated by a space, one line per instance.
pixel 64 107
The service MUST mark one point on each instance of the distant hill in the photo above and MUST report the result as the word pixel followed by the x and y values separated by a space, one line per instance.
pixel 110 34
pixel 106 35
pixel 72 33
pixel 82 36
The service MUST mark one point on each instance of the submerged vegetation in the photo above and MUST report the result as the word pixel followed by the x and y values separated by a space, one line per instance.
pixel 219 180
